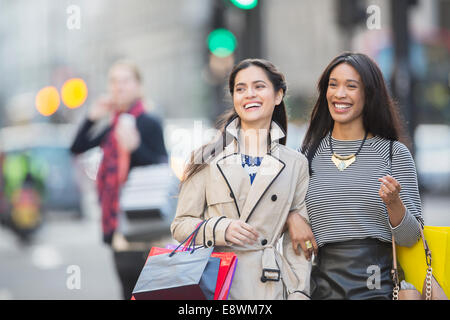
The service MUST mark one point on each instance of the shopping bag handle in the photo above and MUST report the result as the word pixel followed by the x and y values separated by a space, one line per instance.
pixel 192 243
pixel 187 244
pixel 193 235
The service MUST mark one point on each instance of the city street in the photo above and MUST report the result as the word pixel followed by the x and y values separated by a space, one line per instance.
pixel 42 270
pixel 106 106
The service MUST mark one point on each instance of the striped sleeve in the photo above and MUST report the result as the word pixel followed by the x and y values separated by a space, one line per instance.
pixel 407 233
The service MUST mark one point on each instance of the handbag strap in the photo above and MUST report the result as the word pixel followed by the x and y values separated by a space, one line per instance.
pixel 394 271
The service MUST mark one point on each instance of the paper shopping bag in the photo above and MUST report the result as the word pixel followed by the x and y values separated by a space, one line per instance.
pixel 225 290
pixel 188 275
pixel 228 262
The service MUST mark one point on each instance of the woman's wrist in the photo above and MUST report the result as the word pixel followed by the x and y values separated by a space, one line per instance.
pixel 295 215
pixel 396 210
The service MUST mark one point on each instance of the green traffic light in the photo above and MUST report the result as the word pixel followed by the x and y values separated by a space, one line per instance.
pixel 245 4
pixel 221 42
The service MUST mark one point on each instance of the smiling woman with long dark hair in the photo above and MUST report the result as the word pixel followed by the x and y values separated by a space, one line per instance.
pixel 363 184
pixel 379 116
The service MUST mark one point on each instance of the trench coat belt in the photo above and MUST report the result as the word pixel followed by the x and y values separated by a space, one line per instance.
pixel 275 267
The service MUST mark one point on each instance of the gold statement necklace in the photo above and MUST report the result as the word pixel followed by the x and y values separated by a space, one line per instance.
pixel 342 162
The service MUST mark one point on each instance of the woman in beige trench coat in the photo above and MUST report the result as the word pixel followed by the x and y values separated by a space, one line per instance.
pixel 246 212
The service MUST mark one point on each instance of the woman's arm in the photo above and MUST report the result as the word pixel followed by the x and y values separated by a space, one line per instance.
pixel 190 212
pixel 299 233
pixel 400 193
pixel 83 140
pixel 297 223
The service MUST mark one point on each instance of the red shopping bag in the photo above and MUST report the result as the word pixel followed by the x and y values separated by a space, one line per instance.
pixel 227 268
pixel 223 294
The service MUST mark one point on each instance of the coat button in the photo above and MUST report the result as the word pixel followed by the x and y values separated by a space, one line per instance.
pixel 274 197
pixel 209 243
pixel 264 242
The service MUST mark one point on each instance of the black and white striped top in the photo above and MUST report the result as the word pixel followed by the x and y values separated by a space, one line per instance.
pixel 346 205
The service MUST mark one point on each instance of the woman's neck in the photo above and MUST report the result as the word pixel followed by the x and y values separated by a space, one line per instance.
pixel 253 140
pixel 127 106
pixel 349 131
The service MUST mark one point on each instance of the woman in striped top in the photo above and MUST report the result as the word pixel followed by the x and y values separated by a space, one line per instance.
pixel 363 185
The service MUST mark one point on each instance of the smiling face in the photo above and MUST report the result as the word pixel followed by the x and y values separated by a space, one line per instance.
pixel 254 98
pixel 345 95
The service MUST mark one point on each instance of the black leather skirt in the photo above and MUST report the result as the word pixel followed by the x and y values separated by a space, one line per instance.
pixel 355 269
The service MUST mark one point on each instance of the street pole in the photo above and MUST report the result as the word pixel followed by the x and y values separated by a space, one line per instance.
pixel 251 43
pixel 218 21
pixel 402 76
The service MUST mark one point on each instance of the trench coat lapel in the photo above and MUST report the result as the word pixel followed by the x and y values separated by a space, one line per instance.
pixel 230 166
pixel 269 169
pixel 246 195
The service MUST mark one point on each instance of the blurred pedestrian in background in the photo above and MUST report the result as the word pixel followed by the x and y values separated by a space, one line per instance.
pixel 363 187
pixel 132 138
pixel 249 182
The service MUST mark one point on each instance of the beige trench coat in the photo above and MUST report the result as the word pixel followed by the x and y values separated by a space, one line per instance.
pixel 222 192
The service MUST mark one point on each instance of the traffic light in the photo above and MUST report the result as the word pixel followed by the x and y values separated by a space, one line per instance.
pixel 350 13
pixel 245 4
pixel 221 42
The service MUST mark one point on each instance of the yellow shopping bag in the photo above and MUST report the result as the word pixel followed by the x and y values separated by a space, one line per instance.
pixel 413 260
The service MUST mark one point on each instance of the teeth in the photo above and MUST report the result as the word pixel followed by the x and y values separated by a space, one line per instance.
pixel 342 106
pixel 250 105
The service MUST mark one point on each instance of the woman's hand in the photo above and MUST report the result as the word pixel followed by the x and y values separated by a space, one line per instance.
pixel 300 233
pixel 101 108
pixel 389 190
pixel 126 132
pixel 240 233
pixel 390 194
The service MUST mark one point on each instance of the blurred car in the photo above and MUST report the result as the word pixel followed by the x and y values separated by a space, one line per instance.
pixel 48 145
pixel 432 157
pixel 62 191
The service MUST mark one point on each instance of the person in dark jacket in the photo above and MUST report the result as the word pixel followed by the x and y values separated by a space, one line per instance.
pixel 132 138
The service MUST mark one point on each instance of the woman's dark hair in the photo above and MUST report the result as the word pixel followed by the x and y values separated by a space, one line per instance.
pixel 380 114
pixel 200 156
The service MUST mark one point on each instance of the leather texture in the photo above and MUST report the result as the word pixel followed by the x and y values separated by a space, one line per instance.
pixel 354 270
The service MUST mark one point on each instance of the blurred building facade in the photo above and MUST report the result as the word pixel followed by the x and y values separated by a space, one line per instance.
pixel 37 49
pixel 167 39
